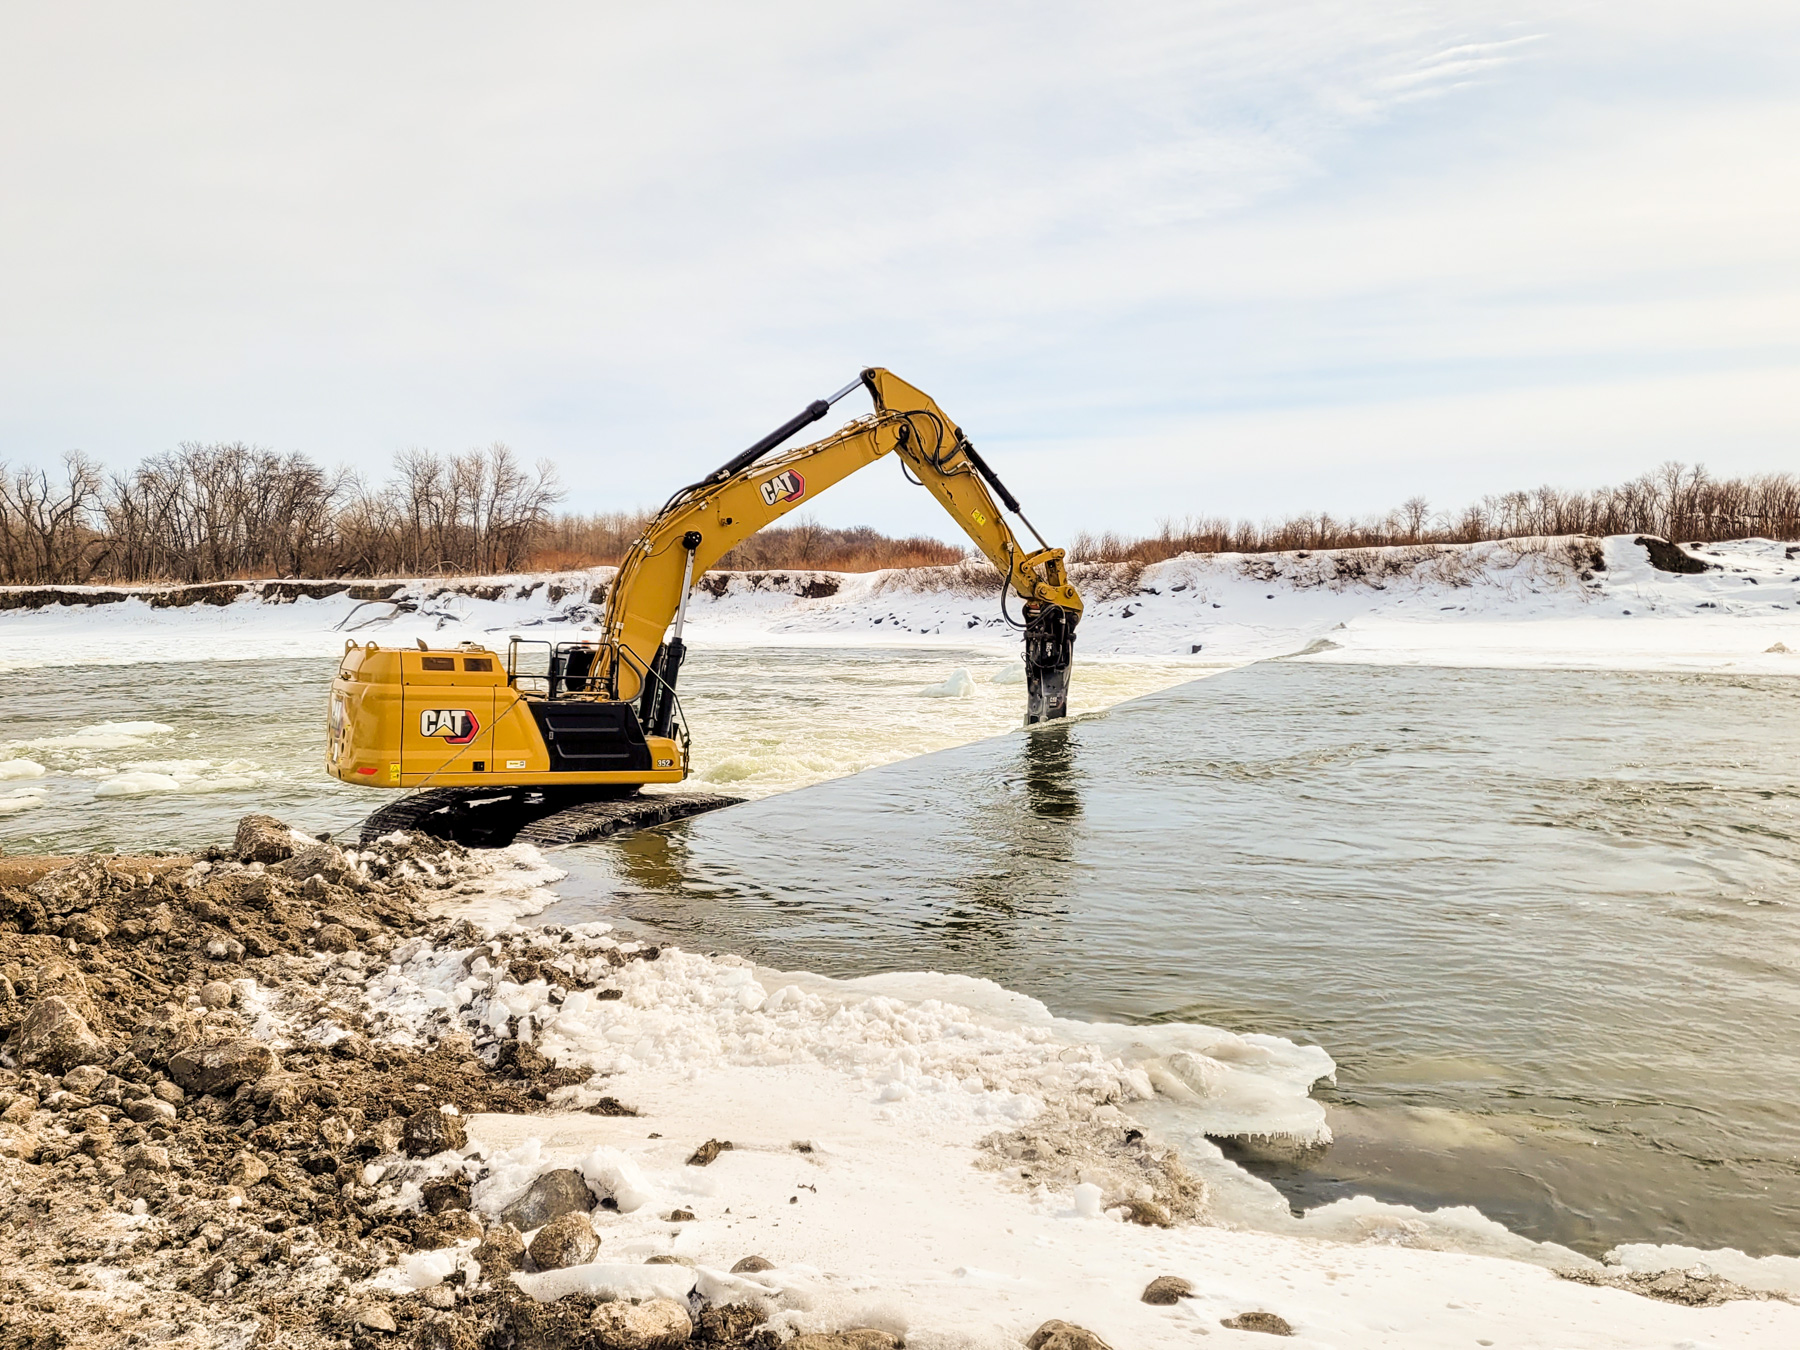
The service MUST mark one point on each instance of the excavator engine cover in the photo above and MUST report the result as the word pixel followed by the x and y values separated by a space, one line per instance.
pixel 1049 652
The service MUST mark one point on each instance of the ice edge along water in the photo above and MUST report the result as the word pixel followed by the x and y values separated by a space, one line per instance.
pixel 891 1081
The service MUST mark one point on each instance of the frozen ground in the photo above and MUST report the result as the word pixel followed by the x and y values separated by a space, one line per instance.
pixel 1542 602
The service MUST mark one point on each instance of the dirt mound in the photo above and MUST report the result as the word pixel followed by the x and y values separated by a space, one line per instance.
pixel 202 1123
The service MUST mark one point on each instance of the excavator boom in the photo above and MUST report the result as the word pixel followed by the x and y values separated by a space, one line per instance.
pixel 706 520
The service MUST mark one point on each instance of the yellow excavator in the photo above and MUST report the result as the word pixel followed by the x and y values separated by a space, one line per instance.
pixel 603 715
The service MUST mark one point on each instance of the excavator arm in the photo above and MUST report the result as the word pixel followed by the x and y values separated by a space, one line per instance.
pixel 705 520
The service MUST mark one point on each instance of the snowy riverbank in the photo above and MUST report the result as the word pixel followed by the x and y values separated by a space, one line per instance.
pixel 1575 603
pixel 327 1133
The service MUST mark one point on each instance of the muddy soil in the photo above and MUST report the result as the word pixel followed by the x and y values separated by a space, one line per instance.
pixel 186 1161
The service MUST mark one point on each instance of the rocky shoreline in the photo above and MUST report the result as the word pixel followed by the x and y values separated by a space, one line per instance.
pixel 207 1140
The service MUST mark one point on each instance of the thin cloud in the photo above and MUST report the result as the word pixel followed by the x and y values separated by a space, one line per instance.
pixel 631 239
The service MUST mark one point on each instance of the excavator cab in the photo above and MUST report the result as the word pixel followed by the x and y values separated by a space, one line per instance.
pixel 544 716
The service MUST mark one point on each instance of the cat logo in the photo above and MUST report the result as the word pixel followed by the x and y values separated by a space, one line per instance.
pixel 784 487
pixel 456 725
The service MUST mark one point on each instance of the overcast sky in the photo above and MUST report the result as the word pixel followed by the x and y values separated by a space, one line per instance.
pixel 1156 259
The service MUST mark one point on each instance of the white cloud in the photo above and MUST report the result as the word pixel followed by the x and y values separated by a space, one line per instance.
pixel 633 238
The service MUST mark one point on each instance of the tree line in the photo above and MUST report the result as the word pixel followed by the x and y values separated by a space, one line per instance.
pixel 224 511
pixel 213 512
pixel 1677 501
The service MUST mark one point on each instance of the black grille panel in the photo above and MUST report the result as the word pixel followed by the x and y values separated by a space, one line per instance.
pixel 591 737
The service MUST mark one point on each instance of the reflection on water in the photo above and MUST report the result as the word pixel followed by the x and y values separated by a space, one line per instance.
pixel 1027 833
pixel 1543 921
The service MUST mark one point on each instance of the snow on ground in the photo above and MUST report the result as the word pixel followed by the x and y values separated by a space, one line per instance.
pixel 1540 602
pixel 856 1113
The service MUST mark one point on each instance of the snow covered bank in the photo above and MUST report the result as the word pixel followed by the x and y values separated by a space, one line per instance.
pixel 1545 602
pixel 941 1159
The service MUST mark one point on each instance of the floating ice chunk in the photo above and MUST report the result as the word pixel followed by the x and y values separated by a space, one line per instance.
pixel 23 799
pixel 20 768
pixel 180 775
pixel 959 685
pixel 101 736
pixel 1013 672
pixel 136 784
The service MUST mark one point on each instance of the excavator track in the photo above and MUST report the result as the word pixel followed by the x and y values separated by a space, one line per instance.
pixel 549 820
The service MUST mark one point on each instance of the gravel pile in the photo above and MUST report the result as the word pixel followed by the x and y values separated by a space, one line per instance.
pixel 200 1133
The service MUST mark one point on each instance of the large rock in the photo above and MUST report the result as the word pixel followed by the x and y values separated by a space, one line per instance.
pixel 852 1338
pixel 530 1325
pixel 54 1036
pixel 73 888
pixel 164 1032
pixel 147 1158
pixel 1166 1290
pixel 728 1323
pixel 1272 1323
pixel 151 1111
pixel 220 1068
pixel 448 1193
pixel 653 1325
pixel 84 1079
pixel 567 1240
pixel 86 928
pixel 551 1195
pixel 263 839
pixel 501 1252
pixel 430 1132
pixel 376 1318
pixel 1059 1335
pixel 313 860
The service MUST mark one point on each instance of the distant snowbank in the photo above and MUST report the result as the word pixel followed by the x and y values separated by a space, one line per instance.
pixel 1569 602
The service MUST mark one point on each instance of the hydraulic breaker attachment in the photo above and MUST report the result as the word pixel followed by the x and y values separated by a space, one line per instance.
pixel 1049 651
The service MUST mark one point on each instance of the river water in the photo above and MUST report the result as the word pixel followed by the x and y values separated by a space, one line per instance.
pixel 1545 922
pixel 169 755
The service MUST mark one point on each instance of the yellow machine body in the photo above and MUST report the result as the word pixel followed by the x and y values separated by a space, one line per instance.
pixel 604 713
pixel 403 717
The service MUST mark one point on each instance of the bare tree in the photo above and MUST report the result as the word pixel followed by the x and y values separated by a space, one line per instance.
pixel 47 523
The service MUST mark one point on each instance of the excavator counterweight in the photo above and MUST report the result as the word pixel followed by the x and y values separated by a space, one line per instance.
pixel 603 716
